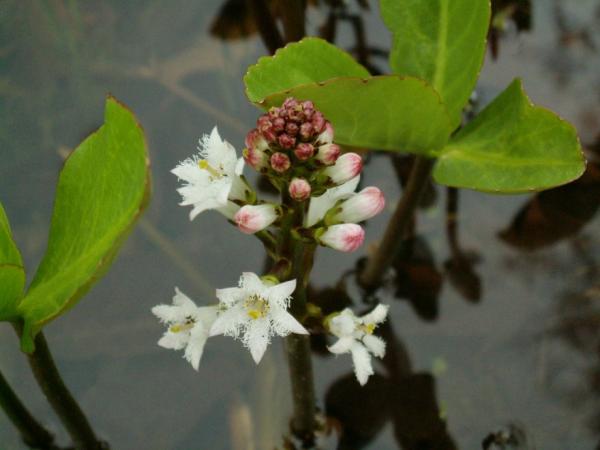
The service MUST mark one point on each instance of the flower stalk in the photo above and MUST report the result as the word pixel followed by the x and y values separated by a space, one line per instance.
pixel 380 260
pixel 60 398
pixel 32 432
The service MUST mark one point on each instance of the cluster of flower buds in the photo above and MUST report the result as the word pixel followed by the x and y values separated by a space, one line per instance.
pixel 294 143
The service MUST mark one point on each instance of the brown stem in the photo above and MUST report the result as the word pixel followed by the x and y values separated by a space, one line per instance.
pixel 32 432
pixel 266 25
pixel 380 260
pixel 451 222
pixel 59 397
pixel 293 17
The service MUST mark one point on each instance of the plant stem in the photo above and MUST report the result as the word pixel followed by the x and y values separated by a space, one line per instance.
pixel 293 17
pixel 32 432
pixel 298 346
pixel 59 397
pixel 380 260
pixel 266 25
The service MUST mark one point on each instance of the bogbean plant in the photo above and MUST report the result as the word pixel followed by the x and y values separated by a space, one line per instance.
pixel 319 103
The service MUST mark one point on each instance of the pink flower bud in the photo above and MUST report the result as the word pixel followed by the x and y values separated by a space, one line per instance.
pixel 290 103
pixel 278 124
pixel 326 137
pixel 345 168
pixel 256 158
pixel 253 218
pixel 304 151
pixel 292 129
pixel 280 162
pixel 255 140
pixel 263 123
pixel 328 154
pixel 318 122
pixel 361 206
pixel 299 189
pixel 306 131
pixel 309 108
pixel 345 237
pixel 286 141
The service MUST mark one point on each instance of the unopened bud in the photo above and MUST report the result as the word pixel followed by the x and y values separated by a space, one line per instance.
pixel 318 122
pixel 280 162
pixel 255 140
pixel 306 131
pixel 345 237
pixel 361 206
pixel 278 124
pixel 328 154
pixel 326 137
pixel 345 168
pixel 292 129
pixel 257 159
pixel 253 218
pixel 286 141
pixel 304 151
pixel 299 189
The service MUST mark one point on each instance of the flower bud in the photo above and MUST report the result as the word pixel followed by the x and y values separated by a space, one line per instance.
pixel 299 189
pixel 280 162
pixel 286 141
pixel 328 154
pixel 361 206
pixel 304 151
pixel 256 158
pixel 318 122
pixel 345 237
pixel 326 137
pixel 345 168
pixel 278 124
pixel 253 218
pixel 306 131
pixel 292 129
pixel 255 140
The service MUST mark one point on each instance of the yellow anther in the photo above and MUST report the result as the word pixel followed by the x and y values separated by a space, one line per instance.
pixel 256 307
pixel 178 328
pixel 204 165
pixel 368 328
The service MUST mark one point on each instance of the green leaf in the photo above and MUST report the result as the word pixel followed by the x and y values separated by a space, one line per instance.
pixel 512 146
pixel 12 274
pixel 440 41
pixel 309 60
pixel 386 112
pixel 102 189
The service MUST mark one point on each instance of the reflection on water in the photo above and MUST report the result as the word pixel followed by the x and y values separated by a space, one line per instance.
pixel 498 338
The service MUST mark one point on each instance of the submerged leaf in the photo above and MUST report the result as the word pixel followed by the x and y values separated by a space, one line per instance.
pixel 512 146
pixel 102 190
pixel 384 112
pixel 12 274
pixel 441 42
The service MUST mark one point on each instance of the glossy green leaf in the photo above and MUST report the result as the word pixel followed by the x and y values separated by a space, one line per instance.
pixel 385 113
pixel 309 60
pixel 440 41
pixel 12 274
pixel 512 146
pixel 102 190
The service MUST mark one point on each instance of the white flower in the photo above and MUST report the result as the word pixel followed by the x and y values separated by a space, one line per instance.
pixel 255 311
pixel 356 337
pixel 188 326
pixel 320 205
pixel 212 176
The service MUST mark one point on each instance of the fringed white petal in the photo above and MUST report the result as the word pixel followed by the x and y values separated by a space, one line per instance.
pixel 375 345
pixel 362 363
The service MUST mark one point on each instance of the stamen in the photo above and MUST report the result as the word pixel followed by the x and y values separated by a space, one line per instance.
pixel 204 165
pixel 256 307
pixel 368 328
pixel 178 328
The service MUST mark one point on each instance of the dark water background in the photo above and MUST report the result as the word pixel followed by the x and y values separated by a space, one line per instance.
pixel 525 353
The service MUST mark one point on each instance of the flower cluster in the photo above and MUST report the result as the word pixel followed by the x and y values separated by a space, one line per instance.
pixel 293 146
pixel 253 313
